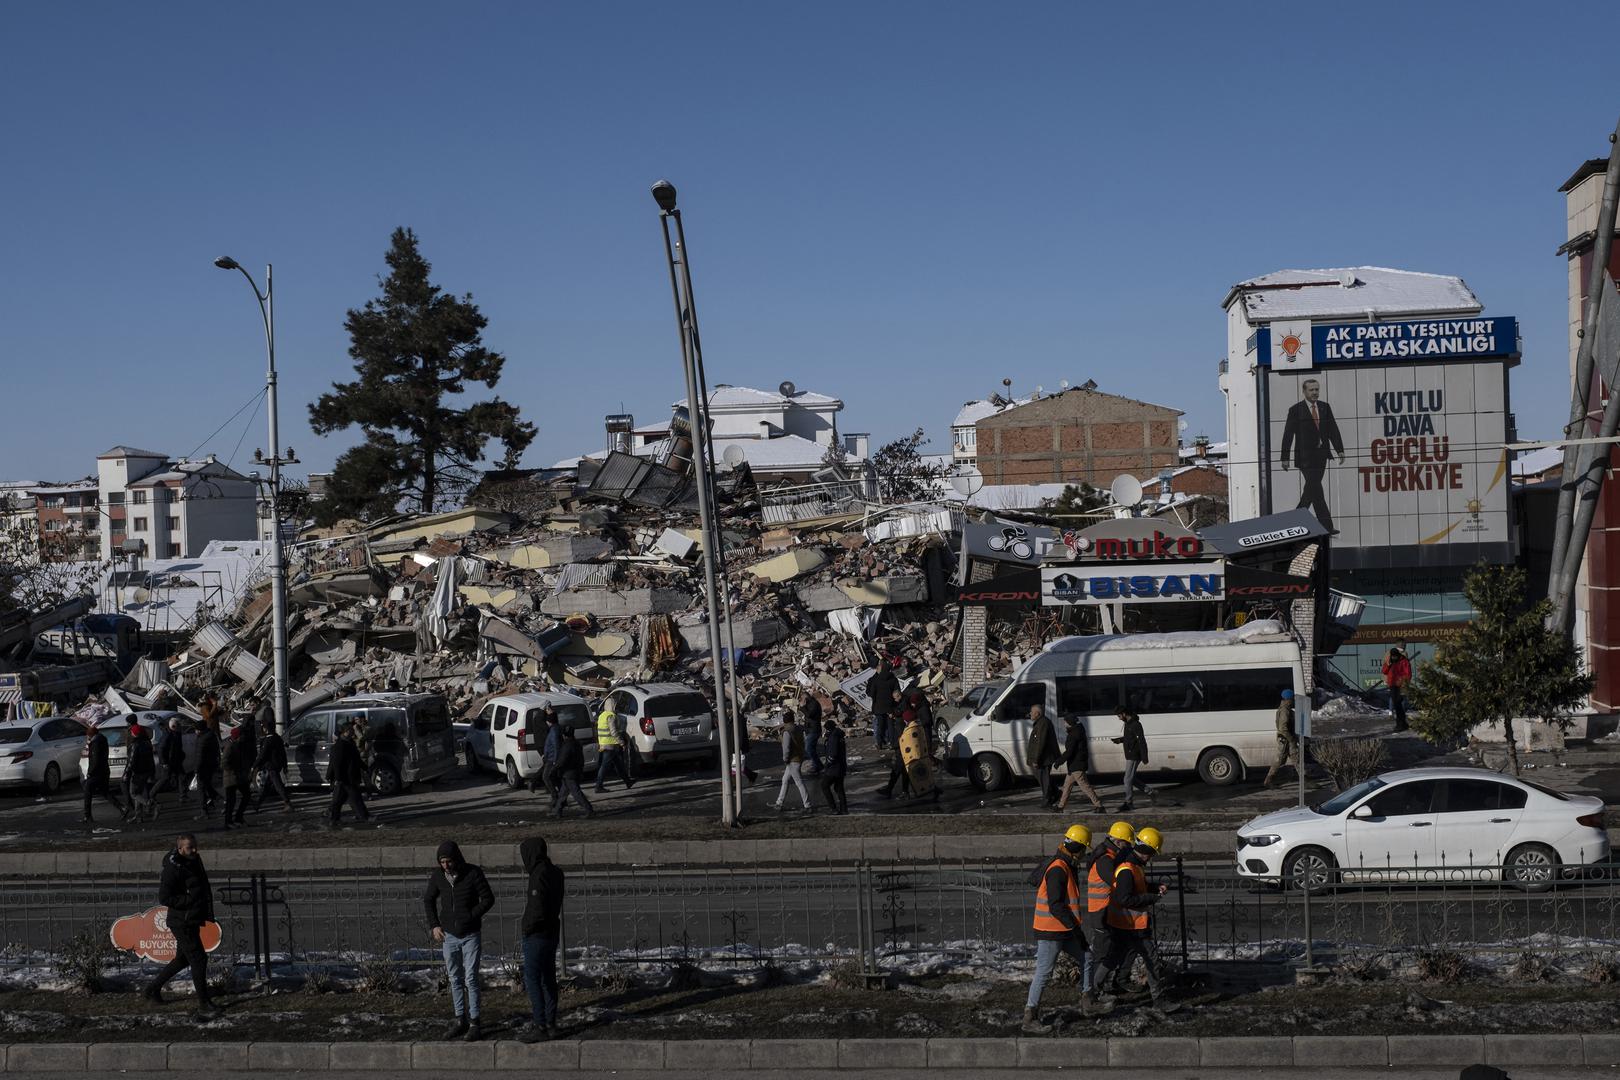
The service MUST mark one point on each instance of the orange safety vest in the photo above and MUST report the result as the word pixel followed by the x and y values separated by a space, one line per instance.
pixel 1098 887
pixel 1123 918
pixel 1044 919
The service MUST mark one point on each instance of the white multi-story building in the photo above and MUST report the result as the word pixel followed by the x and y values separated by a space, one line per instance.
pixel 173 509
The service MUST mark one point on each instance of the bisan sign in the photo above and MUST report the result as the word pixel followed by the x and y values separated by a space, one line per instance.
pixel 1132 584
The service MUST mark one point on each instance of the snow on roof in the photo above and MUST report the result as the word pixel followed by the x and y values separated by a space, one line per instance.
pixel 57 489
pixel 185 592
pixel 1259 630
pixel 1214 449
pixel 1352 292
pixel 746 397
pixel 129 451
pixel 974 411
pixel 782 452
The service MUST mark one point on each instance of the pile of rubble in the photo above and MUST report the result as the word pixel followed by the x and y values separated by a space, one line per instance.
pixel 581 595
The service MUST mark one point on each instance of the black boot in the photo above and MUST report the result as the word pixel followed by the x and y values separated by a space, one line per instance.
pixel 457 1029
pixel 475 1031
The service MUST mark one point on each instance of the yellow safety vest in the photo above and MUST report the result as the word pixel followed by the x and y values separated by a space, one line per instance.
pixel 605 736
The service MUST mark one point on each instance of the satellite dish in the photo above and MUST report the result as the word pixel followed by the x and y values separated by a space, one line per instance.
pixel 966 479
pixel 1126 490
pixel 787 389
pixel 1181 425
pixel 1348 279
pixel 734 455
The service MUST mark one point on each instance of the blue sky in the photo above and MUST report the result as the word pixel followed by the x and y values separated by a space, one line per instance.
pixel 897 203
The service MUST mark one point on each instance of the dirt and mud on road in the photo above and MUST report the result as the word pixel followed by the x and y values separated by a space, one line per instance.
pixel 764 1003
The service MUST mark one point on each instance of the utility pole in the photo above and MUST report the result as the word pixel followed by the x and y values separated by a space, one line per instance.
pixel 278 566
pixel 680 282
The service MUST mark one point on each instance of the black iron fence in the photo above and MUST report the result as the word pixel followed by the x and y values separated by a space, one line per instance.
pixel 922 916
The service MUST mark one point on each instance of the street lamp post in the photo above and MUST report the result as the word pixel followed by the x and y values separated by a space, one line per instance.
pixel 680 283
pixel 278 566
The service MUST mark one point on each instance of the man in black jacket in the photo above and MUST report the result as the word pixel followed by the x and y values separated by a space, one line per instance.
pixel 344 771
pixel 270 764
pixel 1076 760
pixel 1310 439
pixel 238 767
pixel 98 775
pixel 542 931
pixel 458 897
pixel 140 774
pixel 832 775
pixel 172 756
pixel 1043 751
pixel 884 691
pixel 185 891
pixel 570 763
pixel 1134 743
pixel 208 750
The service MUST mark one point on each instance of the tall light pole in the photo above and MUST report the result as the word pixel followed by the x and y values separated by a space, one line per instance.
pixel 278 566
pixel 680 283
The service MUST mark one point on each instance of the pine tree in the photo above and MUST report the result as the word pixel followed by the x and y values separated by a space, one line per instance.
pixel 415 350
pixel 903 475
pixel 1505 663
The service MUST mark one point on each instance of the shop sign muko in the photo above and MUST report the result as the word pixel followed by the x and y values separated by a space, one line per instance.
pixel 1133 560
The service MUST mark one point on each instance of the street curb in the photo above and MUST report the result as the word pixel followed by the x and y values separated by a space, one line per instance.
pixel 1303 1051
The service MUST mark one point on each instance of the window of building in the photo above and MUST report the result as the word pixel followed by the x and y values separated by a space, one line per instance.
pixel 174 524
pixel 174 551
pixel 53 526
pixel 138 498
pixel 115 498
pixel 139 524
pixel 52 501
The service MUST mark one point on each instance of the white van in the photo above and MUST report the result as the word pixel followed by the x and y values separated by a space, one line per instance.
pixel 507 734
pixel 1207 698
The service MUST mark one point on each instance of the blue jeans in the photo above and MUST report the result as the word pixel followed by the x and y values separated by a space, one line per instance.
pixel 461 964
pixel 812 739
pixel 880 728
pixel 1046 954
pixel 540 977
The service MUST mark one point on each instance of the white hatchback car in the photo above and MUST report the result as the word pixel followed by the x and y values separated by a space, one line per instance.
pixel 41 753
pixel 666 721
pixel 1420 825
pixel 499 737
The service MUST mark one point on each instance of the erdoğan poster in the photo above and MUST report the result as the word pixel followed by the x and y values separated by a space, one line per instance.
pixel 1393 455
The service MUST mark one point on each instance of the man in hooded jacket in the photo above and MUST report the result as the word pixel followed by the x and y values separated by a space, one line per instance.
pixel 458 897
pixel 185 891
pixel 542 931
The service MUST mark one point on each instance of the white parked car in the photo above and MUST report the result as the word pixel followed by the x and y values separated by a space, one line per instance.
pixel 40 753
pixel 666 721
pixel 1418 825
pixel 499 737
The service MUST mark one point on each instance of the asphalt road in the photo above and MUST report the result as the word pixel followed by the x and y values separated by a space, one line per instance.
pixel 1519 1072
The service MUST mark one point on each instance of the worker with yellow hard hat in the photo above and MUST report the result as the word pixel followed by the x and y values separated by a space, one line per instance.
pixel 1129 932
pixel 1099 888
pixel 1057 918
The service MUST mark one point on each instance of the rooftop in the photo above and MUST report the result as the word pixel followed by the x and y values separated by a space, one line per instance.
pixel 129 451
pixel 1355 292
pixel 974 411
pixel 746 397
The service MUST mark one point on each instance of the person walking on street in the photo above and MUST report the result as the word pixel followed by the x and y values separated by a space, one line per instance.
pixel 897 763
pixel 536 735
pixel 210 711
pixel 1287 740
pixel 238 776
pixel 344 772
pixel 140 775
pixel 271 765
pixel 208 753
pixel 1397 673
pixel 1136 755
pixel 570 764
pixel 172 757
pixel 832 775
pixel 1057 920
pixel 1129 934
pixel 458 897
pixel 1042 752
pixel 792 763
pixel 550 747
pixel 884 691
pixel 542 933
pixel 811 716
pixel 916 699
pixel 184 890
pixel 98 775
pixel 1076 760
pixel 610 748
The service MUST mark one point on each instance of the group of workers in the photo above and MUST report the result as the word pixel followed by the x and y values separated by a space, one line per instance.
pixel 1102 924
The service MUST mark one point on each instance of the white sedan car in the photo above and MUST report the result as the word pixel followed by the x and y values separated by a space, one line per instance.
pixel 1418 825
pixel 41 753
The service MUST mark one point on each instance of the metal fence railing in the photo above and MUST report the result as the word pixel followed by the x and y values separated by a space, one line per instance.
pixel 924 916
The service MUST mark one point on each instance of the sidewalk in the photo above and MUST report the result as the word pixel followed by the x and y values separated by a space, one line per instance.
pixel 721 1056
